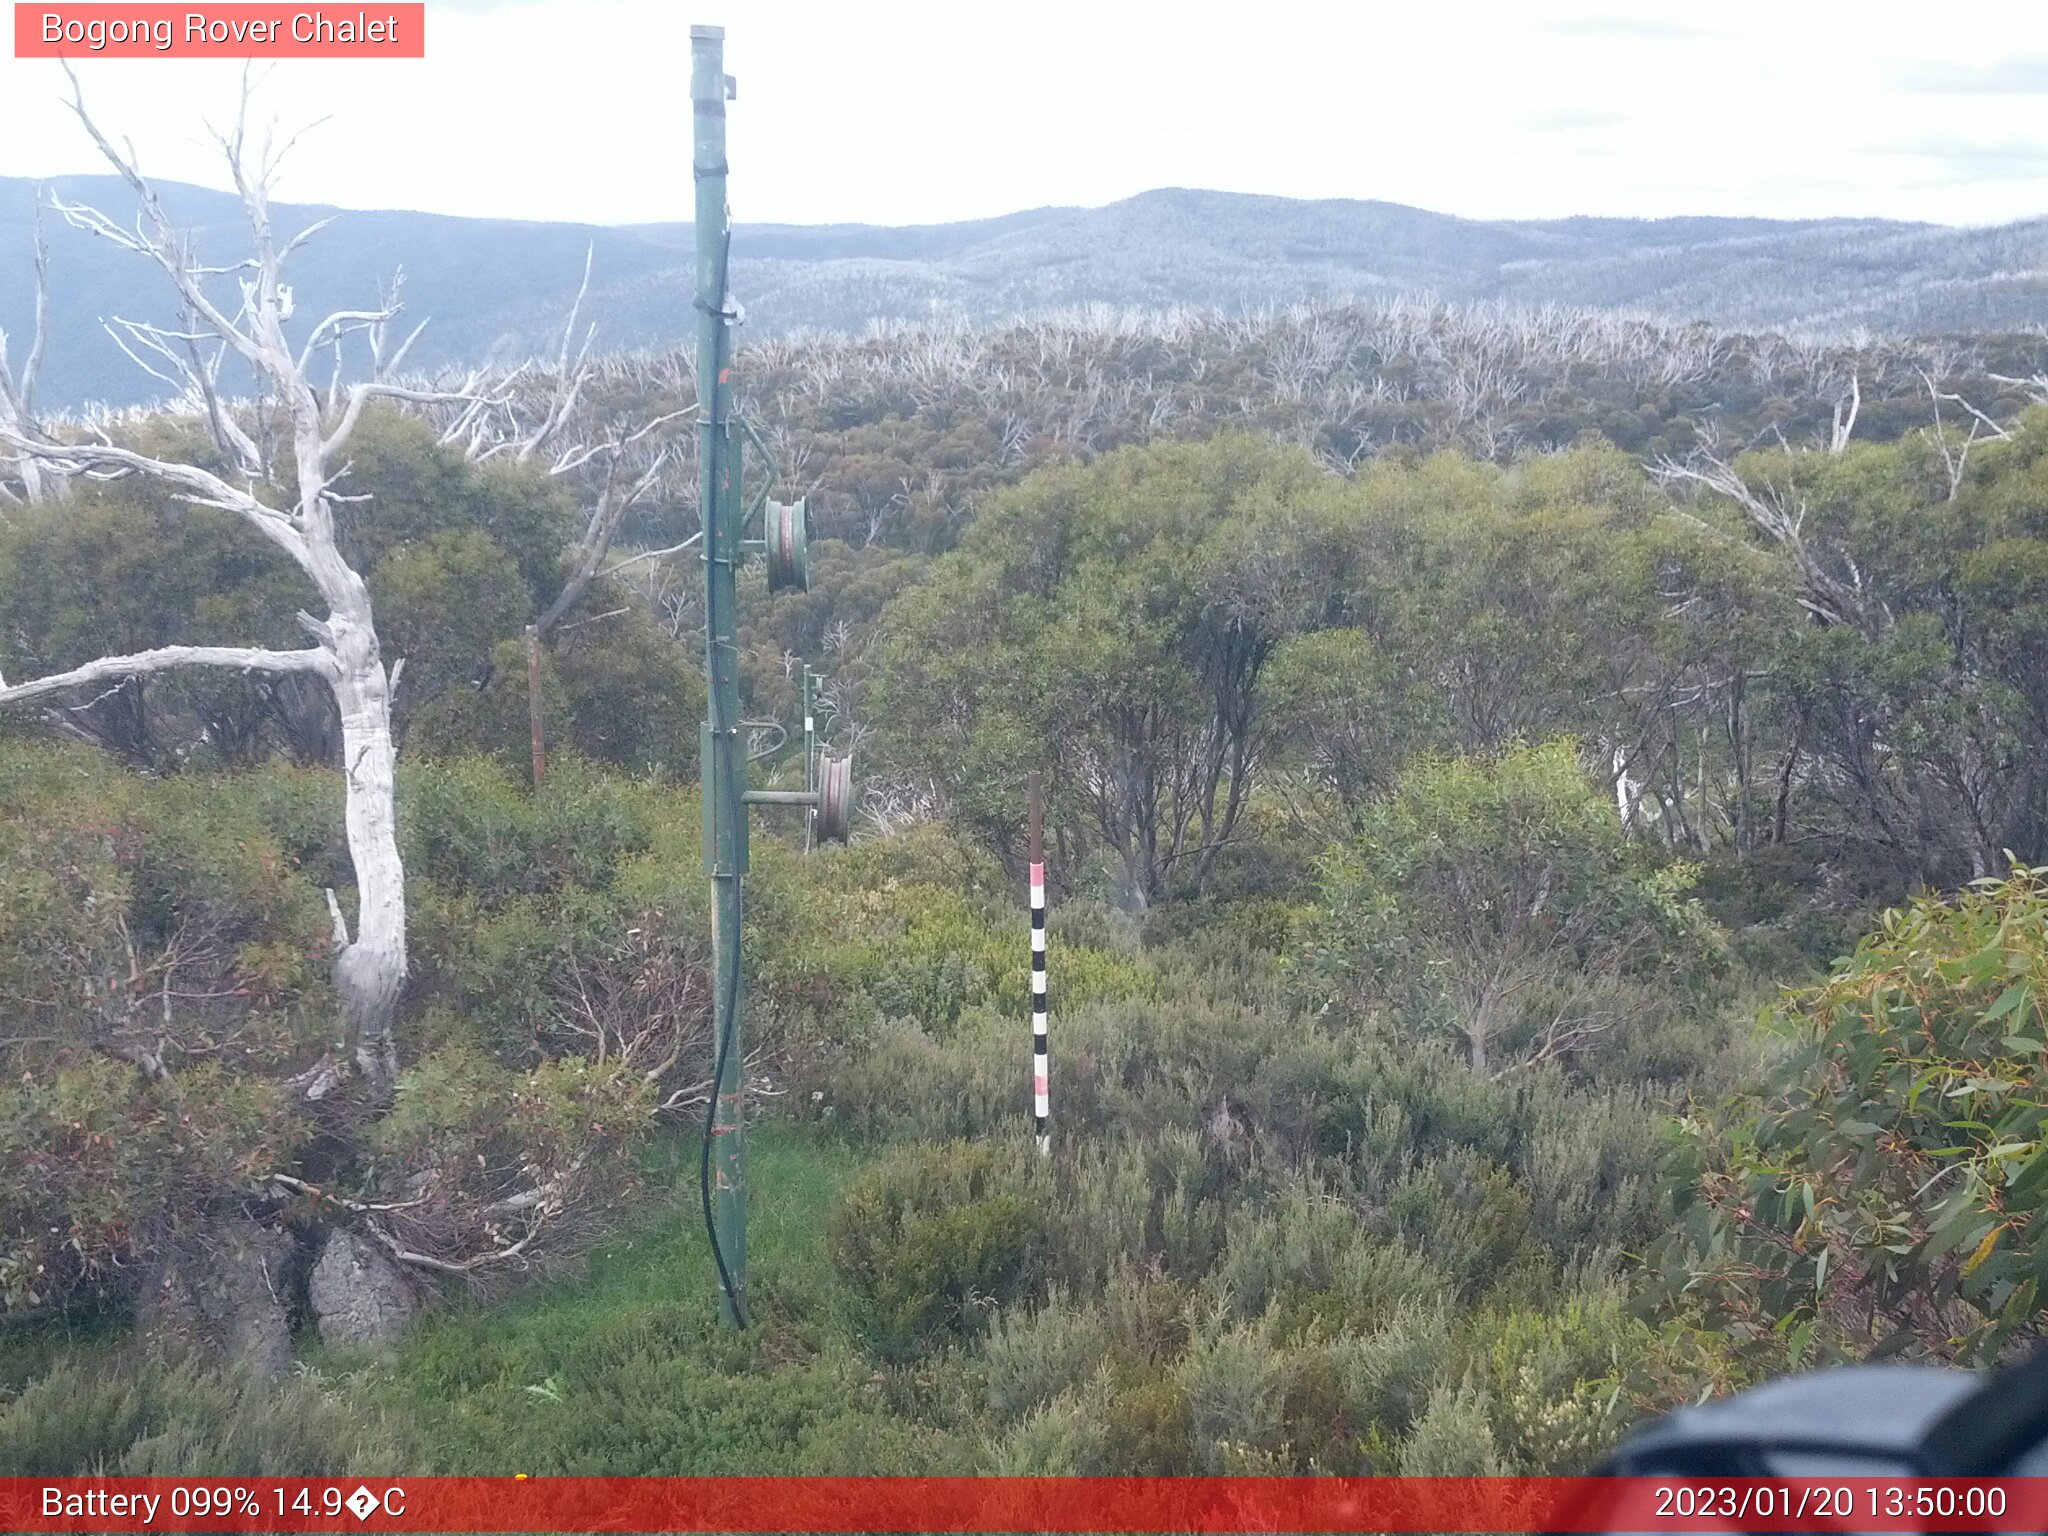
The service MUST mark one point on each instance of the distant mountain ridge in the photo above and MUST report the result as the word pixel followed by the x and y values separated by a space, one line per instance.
pixel 495 289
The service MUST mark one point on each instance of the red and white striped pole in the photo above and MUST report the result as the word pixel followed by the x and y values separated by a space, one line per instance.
pixel 1041 1078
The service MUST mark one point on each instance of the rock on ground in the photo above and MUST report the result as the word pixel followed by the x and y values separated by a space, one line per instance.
pixel 359 1294
pixel 221 1293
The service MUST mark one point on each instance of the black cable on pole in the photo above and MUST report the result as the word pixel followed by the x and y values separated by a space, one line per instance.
pixel 732 983
pixel 732 998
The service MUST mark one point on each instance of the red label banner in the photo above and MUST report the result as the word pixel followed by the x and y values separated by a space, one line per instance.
pixel 1051 1504
pixel 242 31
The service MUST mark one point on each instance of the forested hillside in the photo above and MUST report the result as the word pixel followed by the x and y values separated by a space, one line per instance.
pixel 1471 735
pixel 496 288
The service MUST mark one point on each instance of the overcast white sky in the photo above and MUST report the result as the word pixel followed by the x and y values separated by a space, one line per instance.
pixel 898 111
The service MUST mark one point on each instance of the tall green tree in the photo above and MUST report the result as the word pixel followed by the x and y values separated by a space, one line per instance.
pixel 1499 900
pixel 1909 687
pixel 1113 623
pixel 1565 595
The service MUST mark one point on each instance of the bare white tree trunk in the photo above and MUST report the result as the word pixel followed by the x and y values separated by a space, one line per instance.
pixel 18 389
pixel 370 968
pixel 1845 416
pixel 1627 792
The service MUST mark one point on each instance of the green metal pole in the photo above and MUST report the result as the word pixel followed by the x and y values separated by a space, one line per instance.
pixel 810 764
pixel 724 759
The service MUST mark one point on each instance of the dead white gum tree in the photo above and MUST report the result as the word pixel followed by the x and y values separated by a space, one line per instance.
pixel 614 471
pixel 18 387
pixel 289 416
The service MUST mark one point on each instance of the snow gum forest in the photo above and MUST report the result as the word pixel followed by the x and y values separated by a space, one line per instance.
pixel 1543 816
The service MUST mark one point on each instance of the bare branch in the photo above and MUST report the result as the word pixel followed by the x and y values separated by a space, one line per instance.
pixel 1779 513
pixel 167 249
pixel 340 923
pixel 656 554
pixel 21 391
pixel 335 326
pixel 227 432
pixel 569 378
pixel 316 1192
pixel 200 486
pixel 595 618
pixel 166 658
pixel 312 229
pixel 360 395
pixel 596 542
pixel 1957 460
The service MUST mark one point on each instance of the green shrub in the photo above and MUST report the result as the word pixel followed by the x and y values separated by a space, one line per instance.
pixel 1032 1356
pixel 1376 1107
pixel 103 1164
pixel 1067 1437
pixel 121 1418
pixel 1130 1201
pixel 914 927
pixel 1149 1314
pixel 1886 1189
pixel 1771 898
pixel 619 692
pixel 1319 1432
pixel 469 825
pixel 163 960
pixel 1453 1438
pixel 1234 1380
pixel 1590 1165
pixel 302 808
pixel 934 1237
pixel 487 973
pixel 1305 1259
pixel 1148 1428
pixel 1498 902
pixel 150 915
pixel 1566 1382
pixel 1468 1215
pixel 443 602
pixel 539 1162
pixel 529 912
pixel 902 1083
pixel 1386 1375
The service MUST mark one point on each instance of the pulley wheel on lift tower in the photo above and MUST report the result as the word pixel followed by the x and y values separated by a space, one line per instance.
pixel 835 797
pixel 788 539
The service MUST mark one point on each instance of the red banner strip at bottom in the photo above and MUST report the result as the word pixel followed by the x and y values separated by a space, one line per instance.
pixel 992 1504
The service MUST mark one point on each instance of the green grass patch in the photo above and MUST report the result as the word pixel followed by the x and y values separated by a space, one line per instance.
pixel 625 1369
pixel 30 1350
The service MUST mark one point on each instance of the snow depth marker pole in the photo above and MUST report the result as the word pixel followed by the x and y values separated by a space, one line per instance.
pixel 1041 1080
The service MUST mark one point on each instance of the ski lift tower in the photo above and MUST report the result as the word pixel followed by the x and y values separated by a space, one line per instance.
pixel 725 738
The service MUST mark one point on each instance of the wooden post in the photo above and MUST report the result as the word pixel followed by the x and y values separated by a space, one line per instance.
pixel 1041 1076
pixel 540 751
